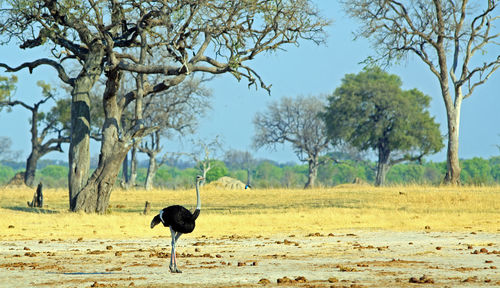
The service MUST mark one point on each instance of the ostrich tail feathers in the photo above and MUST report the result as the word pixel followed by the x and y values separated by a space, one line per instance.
pixel 156 220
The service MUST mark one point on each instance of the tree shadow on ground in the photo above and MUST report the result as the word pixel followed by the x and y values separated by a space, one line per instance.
pixel 32 210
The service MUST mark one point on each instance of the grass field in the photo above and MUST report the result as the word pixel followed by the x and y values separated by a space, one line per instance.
pixel 258 212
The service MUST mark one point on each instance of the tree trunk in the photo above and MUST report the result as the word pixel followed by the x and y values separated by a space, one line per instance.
pixel 452 176
pixel 249 175
pixel 151 171
pixel 383 166
pixel 94 197
pixel 133 166
pixel 312 175
pixel 37 197
pixel 147 208
pixel 79 154
pixel 29 175
pixel 125 175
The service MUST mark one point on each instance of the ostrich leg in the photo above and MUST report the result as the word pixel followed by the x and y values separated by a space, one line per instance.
pixel 173 258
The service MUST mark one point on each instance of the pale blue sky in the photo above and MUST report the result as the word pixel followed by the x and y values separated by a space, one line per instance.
pixel 304 70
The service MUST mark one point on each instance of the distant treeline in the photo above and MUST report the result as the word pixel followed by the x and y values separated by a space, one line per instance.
pixel 269 174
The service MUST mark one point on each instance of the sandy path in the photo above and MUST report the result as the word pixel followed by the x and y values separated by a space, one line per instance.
pixel 348 259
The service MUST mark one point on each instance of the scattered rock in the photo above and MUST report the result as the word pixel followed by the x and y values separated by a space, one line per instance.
pixel 118 253
pixel 264 281
pixel 11 227
pixel 422 280
pixel 114 269
pixel 109 247
pixel 301 279
pixel 333 280
pixel 470 279
pixel 284 280
pixel 346 269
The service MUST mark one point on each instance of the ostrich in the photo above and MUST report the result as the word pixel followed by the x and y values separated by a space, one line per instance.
pixel 180 220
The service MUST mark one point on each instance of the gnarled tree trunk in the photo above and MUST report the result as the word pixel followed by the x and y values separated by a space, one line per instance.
pixel 29 175
pixel 79 154
pixel 133 166
pixel 313 173
pixel 94 197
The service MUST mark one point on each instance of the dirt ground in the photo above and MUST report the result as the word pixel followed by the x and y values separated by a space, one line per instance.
pixel 347 259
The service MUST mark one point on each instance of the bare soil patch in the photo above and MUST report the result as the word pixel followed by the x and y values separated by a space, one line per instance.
pixel 340 259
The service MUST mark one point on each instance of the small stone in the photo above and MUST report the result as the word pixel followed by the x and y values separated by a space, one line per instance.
pixel 284 280
pixel 333 280
pixel 264 281
pixel 301 279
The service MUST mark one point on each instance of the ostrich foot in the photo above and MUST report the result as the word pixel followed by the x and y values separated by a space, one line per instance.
pixel 174 269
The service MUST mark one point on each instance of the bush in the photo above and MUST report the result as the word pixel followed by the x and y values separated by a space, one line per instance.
pixel 53 176
pixel 6 173
pixel 476 171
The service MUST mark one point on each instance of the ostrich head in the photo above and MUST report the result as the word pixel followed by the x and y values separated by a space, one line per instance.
pixel 199 178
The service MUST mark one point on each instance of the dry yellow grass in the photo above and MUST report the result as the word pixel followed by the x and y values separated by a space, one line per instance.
pixel 259 212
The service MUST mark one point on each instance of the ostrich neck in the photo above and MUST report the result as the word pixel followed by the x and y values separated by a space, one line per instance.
pixel 198 200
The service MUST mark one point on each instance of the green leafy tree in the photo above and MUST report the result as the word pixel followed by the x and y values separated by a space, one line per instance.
pixel 476 171
pixel 370 111
pixel 6 173
pixel 347 171
pixel 54 176
pixel 495 168
pixel 268 175
pixel 7 87
pixel 218 169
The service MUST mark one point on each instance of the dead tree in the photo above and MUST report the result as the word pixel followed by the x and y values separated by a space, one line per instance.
pixel 37 197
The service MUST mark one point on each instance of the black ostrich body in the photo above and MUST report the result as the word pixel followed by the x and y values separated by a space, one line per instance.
pixel 178 218
pixel 180 221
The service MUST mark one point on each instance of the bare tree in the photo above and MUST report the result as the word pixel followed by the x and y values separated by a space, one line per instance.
pixel 295 121
pixel 176 110
pixel 106 38
pixel 5 149
pixel 236 159
pixel 450 37
pixel 204 153
pixel 48 130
